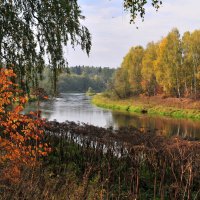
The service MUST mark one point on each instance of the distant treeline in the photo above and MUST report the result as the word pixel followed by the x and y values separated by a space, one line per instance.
pixel 81 78
pixel 170 67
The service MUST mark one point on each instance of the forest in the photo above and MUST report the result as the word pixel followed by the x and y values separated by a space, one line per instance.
pixel 169 67
pixel 80 78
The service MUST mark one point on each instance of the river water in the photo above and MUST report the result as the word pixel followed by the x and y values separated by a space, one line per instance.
pixel 77 107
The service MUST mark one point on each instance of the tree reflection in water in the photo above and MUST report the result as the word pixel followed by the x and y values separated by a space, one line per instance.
pixel 77 107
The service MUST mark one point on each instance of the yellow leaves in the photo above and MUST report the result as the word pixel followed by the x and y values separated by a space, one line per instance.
pixel 162 45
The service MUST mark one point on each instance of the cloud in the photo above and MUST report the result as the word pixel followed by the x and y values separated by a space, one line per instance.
pixel 113 36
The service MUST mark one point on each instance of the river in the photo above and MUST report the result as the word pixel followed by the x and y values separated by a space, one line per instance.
pixel 77 107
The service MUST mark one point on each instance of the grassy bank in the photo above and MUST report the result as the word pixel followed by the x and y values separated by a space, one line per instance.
pixel 178 108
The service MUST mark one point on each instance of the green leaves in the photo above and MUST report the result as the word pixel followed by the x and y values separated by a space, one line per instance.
pixel 137 7
pixel 32 31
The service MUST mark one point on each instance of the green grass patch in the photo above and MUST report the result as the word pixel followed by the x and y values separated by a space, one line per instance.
pixel 134 106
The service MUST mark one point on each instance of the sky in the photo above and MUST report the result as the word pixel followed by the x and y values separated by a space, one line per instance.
pixel 113 35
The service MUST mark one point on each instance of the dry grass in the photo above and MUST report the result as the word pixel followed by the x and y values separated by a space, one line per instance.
pixel 90 162
pixel 159 105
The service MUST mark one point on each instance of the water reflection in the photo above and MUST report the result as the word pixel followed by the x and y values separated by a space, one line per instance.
pixel 77 107
pixel 74 107
pixel 161 125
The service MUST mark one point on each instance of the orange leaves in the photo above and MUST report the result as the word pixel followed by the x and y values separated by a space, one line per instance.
pixel 45 97
pixel 21 135
pixel 23 100
pixel 1 110
pixel 18 108
pixel 8 72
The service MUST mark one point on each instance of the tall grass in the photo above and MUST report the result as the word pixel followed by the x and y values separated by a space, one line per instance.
pixel 89 162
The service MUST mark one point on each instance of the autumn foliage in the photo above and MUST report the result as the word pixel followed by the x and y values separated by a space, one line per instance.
pixel 21 136
pixel 170 67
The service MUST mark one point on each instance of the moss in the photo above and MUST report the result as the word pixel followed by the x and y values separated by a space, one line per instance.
pixel 137 107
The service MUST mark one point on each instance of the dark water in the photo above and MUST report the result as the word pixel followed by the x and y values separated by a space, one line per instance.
pixel 77 107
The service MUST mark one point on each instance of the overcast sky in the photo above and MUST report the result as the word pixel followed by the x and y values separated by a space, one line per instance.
pixel 113 36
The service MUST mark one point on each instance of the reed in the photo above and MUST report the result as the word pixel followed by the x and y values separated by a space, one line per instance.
pixel 89 162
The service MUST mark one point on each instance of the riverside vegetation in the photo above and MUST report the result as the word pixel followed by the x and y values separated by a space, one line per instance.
pixel 79 79
pixel 169 67
pixel 162 78
pixel 87 162
pixel 51 160
pixel 157 105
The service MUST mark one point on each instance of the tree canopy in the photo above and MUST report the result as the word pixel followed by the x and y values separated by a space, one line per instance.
pixel 170 67
pixel 137 7
pixel 80 79
pixel 33 32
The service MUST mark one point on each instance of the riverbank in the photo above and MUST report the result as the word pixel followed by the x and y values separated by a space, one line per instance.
pixel 173 107
pixel 89 162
